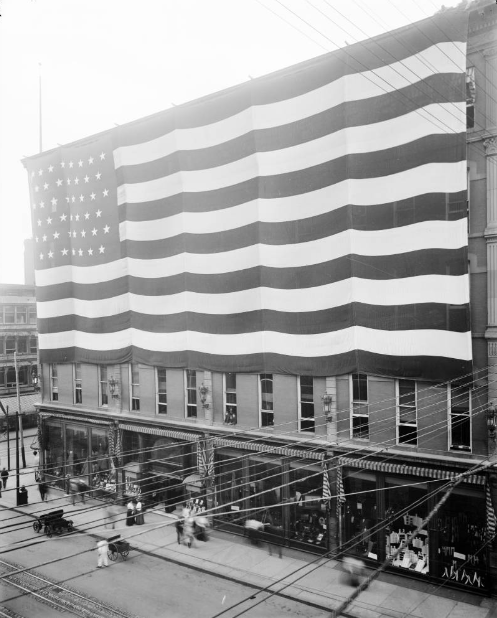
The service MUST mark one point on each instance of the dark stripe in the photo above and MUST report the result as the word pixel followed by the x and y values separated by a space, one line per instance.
pixel 428 262
pixel 300 78
pixel 353 114
pixel 388 318
pixel 432 369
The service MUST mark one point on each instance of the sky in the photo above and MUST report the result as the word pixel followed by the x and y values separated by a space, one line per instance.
pixel 107 62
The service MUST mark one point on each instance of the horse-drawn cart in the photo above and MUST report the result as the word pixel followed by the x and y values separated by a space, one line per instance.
pixel 53 522
pixel 117 546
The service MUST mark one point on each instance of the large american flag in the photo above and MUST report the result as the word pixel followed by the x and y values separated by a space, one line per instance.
pixel 311 222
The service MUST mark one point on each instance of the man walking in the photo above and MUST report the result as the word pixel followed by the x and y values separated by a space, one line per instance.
pixel 5 475
pixel 102 547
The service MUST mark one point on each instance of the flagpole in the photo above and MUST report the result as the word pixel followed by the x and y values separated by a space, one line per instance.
pixel 39 103
pixel 20 415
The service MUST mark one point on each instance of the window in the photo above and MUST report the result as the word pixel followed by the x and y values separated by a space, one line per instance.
pixel 407 426
pixel 78 387
pixel 22 345
pixel 11 377
pixel 230 416
pixel 9 314
pixel 54 383
pixel 306 401
pixel 460 417
pixel 191 393
pixel 2 345
pixel 21 315
pixel 360 408
pixel 32 315
pixel 10 345
pixel 33 345
pixel 470 97
pixel 23 375
pixel 103 386
pixel 267 412
pixel 161 391
pixel 135 387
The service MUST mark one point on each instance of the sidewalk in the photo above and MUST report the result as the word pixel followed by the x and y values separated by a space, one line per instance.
pixel 297 575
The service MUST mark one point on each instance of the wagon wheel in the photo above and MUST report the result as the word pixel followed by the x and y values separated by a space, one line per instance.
pixel 48 530
pixel 58 529
pixel 112 552
pixel 70 526
pixel 125 553
pixel 36 526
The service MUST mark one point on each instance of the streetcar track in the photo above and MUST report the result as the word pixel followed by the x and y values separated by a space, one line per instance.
pixel 61 598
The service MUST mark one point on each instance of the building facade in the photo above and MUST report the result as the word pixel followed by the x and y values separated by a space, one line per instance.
pixel 348 463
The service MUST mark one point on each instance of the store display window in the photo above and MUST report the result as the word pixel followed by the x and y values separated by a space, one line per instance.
pixel 230 489
pixel 103 477
pixel 54 450
pixel 265 490
pixel 405 509
pixel 461 555
pixel 76 449
pixel 308 516
pixel 361 515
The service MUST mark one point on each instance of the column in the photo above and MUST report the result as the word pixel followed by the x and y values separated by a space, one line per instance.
pixel 331 419
pixel 206 397
pixel 491 239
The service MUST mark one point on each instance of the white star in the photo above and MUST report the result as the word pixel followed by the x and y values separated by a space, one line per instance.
pixel 105 192
pixel 98 213
pixel 81 198
pixel 73 199
pixel 102 156
pixel 80 163
pixel 71 217
pixel 90 251
pixel 87 178
pixel 68 199
pixel 37 188
pixel 37 239
pixel 90 160
pixel 76 181
pixel 101 249
pixel 42 204
pixel 44 238
pixel 74 251
pixel 54 201
pixel 39 222
pixel 97 175
pixel 34 205
pixel 50 254
pixel 70 233
pixel 94 231
pixel 40 172
pixel 87 215
pixel 93 196
pixel 64 251
pixel 41 256
pixel 83 233
pixel 49 220
pixel 50 168
pixel 56 235
pixel 62 164
pixel 63 216
pixel 76 217
pixel 68 181
pixel 106 229
pixel 74 234
pixel 45 186
pixel 59 182
pixel 71 164
pixel 80 251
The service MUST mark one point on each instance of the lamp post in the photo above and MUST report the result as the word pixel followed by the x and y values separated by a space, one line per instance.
pixel 491 415
pixel 7 431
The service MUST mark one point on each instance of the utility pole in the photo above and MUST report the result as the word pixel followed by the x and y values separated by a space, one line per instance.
pixel 7 431
pixel 20 414
pixel 17 459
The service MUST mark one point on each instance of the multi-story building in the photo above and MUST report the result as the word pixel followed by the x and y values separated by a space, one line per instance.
pixel 343 443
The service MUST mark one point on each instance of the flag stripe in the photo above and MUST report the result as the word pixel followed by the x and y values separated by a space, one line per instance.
pixel 312 221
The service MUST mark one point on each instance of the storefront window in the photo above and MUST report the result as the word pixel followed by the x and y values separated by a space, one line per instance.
pixel 461 555
pixel 77 450
pixel 406 507
pixel 360 515
pixel 308 522
pixel 54 450
pixel 230 487
pixel 265 487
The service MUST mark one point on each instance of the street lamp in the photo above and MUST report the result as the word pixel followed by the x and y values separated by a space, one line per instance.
pixel 203 390
pixel 113 383
pixel 327 403
pixel 491 414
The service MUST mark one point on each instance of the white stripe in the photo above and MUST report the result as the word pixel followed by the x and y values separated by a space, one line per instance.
pixel 416 237
pixel 364 139
pixel 437 59
pixel 435 343
pixel 425 289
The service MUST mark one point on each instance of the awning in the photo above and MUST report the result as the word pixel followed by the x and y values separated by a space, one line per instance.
pixel 396 468
pixel 266 448
pixel 193 482
pixel 77 419
pixel 160 431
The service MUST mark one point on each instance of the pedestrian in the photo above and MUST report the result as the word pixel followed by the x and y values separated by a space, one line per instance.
pixel 111 514
pixel 188 531
pixel 253 529
pixel 102 547
pixel 202 524
pixel 274 536
pixel 179 529
pixel 73 490
pixel 5 475
pixel 130 513
pixel 23 495
pixel 82 489
pixel 354 569
pixel 139 519
pixel 185 511
pixel 42 487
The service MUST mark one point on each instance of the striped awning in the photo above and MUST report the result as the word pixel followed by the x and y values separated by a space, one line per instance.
pixel 160 431
pixel 266 448
pixel 75 419
pixel 396 468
